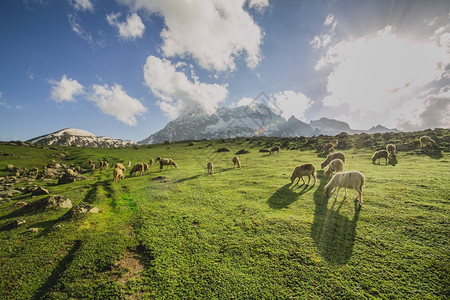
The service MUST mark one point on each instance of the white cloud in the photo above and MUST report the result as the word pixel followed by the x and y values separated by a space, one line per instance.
pixel 243 102
pixel 214 33
pixel 291 103
pixel 131 29
pixel 65 89
pixel 179 95
pixel 258 5
pixel 83 5
pixel 79 30
pixel 324 39
pixel 373 77
pixel 115 102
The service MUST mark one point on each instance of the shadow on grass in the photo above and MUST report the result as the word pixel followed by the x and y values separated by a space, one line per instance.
pixel 59 270
pixel 286 195
pixel 433 153
pixel 333 233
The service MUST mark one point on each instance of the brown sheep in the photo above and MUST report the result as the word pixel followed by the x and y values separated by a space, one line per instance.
pixel 137 168
pixel 425 140
pixel 326 147
pixel 151 162
pixel 236 162
pixel 93 167
pixel 390 148
pixel 275 149
pixel 117 174
pixel 380 154
pixel 304 170
pixel 347 180
pixel 120 166
pixel 334 143
pixel 332 156
pixel 336 165
pixel 210 167
pixel 146 167
pixel 167 162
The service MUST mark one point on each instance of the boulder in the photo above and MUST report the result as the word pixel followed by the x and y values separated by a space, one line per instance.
pixel 57 202
pixel 39 191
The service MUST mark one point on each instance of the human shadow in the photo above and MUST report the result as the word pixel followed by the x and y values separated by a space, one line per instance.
pixel 286 195
pixel 57 272
pixel 333 233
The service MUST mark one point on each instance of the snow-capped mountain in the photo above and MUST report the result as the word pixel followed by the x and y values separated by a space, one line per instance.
pixel 247 121
pixel 79 138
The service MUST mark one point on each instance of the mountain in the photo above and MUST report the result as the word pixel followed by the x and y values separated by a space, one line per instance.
pixel 381 129
pixel 79 138
pixel 246 121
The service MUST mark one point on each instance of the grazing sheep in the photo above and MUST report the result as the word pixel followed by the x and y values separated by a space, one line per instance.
pixel 332 156
pixel 93 167
pixel 120 166
pixel 90 162
pixel 118 174
pixel 390 148
pixel 210 167
pixel 151 162
pixel 146 167
pixel 304 170
pixel 326 147
pixel 236 162
pixel 129 163
pixel 380 154
pixel 275 149
pixel 336 165
pixel 137 168
pixel 167 162
pixel 347 180
pixel 334 143
pixel 425 140
pixel 158 158
pixel 104 165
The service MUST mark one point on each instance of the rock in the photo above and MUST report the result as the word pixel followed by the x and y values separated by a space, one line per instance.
pixel 20 204
pixel 56 202
pixel 34 230
pixel 242 151
pixel 39 191
pixel 223 150
pixel 10 168
pixel 70 176
pixel 95 210
pixel 13 224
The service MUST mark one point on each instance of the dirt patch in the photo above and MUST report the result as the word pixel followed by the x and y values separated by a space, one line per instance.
pixel 131 265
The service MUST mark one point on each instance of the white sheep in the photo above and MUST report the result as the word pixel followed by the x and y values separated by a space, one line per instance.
pixel 236 162
pixel 347 180
pixel 334 143
pixel 336 165
pixel 275 149
pixel 120 166
pixel 332 156
pixel 137 168
pixel 117 174
pixel 129 163
pixel 304 170
pixel 379 155
pixel 425 140
pixel 390 148
pixel 210 167
pixel 167 162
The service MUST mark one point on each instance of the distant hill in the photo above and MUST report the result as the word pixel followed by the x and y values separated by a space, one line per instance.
pixel 246 121
pixel 79 138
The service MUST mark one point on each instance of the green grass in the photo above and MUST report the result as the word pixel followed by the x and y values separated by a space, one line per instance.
pixel 244 233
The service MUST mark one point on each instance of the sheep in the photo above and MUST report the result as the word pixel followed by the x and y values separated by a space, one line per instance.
pixel 380 154
pixel 104 164
pixel 334 143
pixel 425 140
pixel 347 180
pixel 151 162
pixel 93 167
pixel 275 149
pixel 236 162
pixel 146 167
pixel 137 168
pixel 335 165
pixel 304 170
pixel 90 162
pixel 120 166
pixel 129 163
pixel 158 158
pixel 117 174
pixel 390 148
pixel 326 147
pixel 210 167
pixel 331 157
pixel 167 162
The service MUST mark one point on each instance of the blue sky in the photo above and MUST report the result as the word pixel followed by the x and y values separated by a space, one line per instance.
pixel 124 68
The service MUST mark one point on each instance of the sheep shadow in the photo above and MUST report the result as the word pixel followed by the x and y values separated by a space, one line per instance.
pixel 286 195
pixel 433 153
pixel 333 233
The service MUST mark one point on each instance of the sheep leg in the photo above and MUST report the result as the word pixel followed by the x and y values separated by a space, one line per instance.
pixel 309 179
pixel 303 180
pixel 314 176
pixel 337 193
pixel 345 193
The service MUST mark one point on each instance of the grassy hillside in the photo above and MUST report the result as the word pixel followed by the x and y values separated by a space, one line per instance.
pixel 239 233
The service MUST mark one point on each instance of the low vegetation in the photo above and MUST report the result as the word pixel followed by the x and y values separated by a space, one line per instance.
pixel 237 233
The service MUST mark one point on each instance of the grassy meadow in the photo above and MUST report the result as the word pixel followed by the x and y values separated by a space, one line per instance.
pixel 239 233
